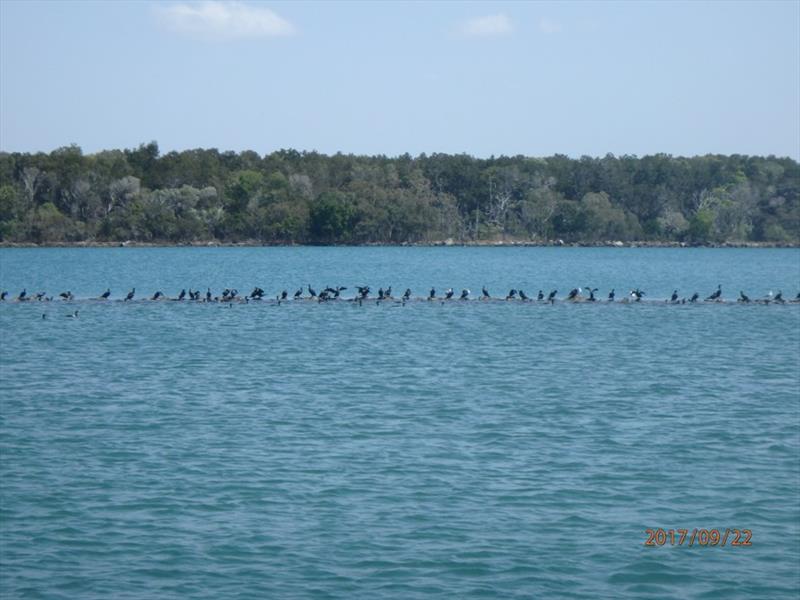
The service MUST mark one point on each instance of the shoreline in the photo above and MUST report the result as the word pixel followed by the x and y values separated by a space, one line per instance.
pixel 438 243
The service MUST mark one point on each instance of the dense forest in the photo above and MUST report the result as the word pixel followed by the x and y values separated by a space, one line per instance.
pixel 306 197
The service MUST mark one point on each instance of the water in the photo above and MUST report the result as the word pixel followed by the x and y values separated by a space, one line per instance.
pixel 165 450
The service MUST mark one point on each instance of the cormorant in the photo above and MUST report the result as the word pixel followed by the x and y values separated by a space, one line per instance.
pixel 522 295
pixel 540 296
pixel 182 295
pixel 674 297
pixel 512 293
pixel 573 293
pixel 637 293
pixel 591 297
pixel 130 295
pixel 432 294
pixel 694 297
pixel 311 292
pixel 485 293
pixel 106 294
pixel 464 294
pixel 156 296
pixel 743 297
pixel 716 295
pixel 40 295
pixel 449 293
pixel 380 293
pixel 22 294
pixel 552 296
pixel 284 295
pixel 3 296
pixel 611 296
pixel 208 295
pixel 66 295
pixel 779 298
pixel 298 293
pixel 407 294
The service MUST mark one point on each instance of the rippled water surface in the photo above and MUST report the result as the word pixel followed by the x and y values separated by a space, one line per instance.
pixel 471 449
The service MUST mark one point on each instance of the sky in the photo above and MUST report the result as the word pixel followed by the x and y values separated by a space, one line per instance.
pixel 483 78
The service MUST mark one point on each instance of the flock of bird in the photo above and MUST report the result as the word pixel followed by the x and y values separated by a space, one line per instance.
pixel 363 293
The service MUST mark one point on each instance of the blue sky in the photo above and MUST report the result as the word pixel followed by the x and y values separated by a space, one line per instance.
pixel 486 78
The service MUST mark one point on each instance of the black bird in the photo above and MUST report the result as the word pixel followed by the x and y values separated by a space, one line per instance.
pixel 743 297
pixel 674 297
pixel 464 294
pixel 797 298
pixel 432 294
pixel 694 297
pixel 182 295
pixel 130 295
pixel 388 292
pixel 407 294
pixel 311 292
pixel 22 294
pixel 380 294
pixel 779 298
pixel 298 293
pixel 106 294
pixel 611 296
pixel 449 293
pixel 591 297
pixel 73 315
pixel 208 295
pixel 4 294
pixel 511 294
pixel 363 291
pixel 66 295
pixel 540 295
pixel 552 296
pixel 40 295
pixel 573 293
pixel 522 295
pixel 157 295
pixel 716 295
pixel 637 293
pixel 485 293
pixel 284 295
pixel 338 290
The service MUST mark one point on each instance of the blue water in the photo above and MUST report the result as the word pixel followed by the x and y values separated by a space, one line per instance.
pixel 508 450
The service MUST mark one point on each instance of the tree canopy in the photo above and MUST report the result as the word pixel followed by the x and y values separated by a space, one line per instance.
pixel 306 197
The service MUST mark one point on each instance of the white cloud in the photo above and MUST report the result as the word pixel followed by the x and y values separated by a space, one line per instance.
pixel 223 20
pixel 549 26
pixel 490 25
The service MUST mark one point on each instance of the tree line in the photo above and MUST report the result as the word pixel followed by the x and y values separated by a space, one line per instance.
pixel 311 198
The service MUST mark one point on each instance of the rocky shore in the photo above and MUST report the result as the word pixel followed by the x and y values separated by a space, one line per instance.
pixel 447 242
